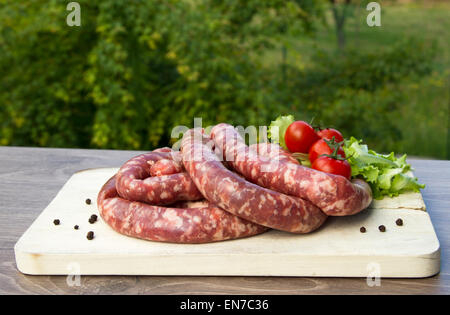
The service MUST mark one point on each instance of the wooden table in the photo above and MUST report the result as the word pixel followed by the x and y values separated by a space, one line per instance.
pixel 31 177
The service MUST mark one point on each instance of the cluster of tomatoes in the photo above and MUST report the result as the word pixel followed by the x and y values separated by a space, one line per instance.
pixel 324 147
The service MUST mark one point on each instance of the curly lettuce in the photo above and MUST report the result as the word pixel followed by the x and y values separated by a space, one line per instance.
pixel 386 174
pixel 278 127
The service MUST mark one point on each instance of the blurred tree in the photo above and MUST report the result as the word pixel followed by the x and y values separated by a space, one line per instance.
pixel 135 69
pixel 42 61
pixel 362 93
pixel 341 10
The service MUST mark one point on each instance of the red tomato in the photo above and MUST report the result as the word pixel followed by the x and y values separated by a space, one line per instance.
pixel 300 136
pixel 321 147
pixel 329 133
pixel 333 166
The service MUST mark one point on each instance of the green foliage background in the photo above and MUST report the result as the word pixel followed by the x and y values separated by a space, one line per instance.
pixel 136 69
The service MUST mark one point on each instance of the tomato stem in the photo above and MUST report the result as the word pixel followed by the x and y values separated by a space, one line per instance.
pixel 334 146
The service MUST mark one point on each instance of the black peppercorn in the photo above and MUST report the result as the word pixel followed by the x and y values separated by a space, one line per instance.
pixel 56 222
pixel 92 219
pixel 88 201
pixel 90 235
pixel 382 228
pixel 362 229
pixel 76 227
pixel 399 222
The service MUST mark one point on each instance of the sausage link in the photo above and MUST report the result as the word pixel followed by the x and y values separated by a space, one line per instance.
pixel 334 194
pixel 134 181
pixel 233 193
pixel 274 152
pixel 200 224
pixel 165 167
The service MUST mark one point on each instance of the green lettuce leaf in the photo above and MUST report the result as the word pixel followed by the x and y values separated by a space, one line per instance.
pixel 386 174
pixel 278 127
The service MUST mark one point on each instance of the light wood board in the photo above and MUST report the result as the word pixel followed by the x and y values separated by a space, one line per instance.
pixel 337 249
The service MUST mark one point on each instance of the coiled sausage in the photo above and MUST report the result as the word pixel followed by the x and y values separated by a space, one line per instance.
pixel 203 223
pixel 236 195
pixel 333 194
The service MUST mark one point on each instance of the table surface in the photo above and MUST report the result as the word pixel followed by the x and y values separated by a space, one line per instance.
pixel 31 177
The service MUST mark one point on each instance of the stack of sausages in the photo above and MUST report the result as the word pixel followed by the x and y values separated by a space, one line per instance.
pixel 217 188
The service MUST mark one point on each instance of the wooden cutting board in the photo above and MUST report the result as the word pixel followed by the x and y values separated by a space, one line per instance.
pixel 337 249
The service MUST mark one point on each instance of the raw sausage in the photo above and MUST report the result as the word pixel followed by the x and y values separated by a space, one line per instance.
pixel 201 223
pixel 273 151
pixel 334 194
pixel 236 195
pixel 165 167
pixel 134 181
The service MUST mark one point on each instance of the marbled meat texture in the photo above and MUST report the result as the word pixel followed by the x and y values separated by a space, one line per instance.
pixel 334 194
pixel 236 195
pixel 201 223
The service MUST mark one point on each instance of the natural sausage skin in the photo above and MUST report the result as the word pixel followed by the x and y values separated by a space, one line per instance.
pixel 165 167
pixel 334 194
pixel 234 194
pixel 134 181
pixel 202 224
pixel 274 152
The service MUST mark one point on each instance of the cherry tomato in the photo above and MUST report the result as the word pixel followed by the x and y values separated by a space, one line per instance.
pixel 300 136
pixel 329 133
pixel 333 166
pixel 321 147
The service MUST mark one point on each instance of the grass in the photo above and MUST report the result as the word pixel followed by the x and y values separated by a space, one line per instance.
pixel 424 120
pixel 430 23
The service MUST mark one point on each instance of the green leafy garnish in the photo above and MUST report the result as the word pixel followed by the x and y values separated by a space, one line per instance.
pixel 278 128
pixel 386 174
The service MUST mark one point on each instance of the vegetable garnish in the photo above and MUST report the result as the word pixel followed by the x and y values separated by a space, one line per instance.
pixel 300 136
pixel 330 133
pixel 333 163
pixel 386 174
pixel 278 127
pixel 324 146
